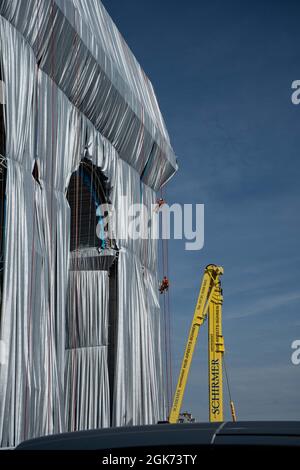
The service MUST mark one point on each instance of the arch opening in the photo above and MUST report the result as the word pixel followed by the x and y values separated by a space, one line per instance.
pixel 88 193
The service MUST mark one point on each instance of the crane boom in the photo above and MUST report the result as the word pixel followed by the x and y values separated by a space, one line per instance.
pixel 216 350
pixel 208 299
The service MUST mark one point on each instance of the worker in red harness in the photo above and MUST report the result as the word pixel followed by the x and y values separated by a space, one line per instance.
pixel 159 204
pixel 164 286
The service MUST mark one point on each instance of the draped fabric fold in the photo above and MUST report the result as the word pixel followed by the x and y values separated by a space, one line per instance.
pixel 86 379
pixel 137 367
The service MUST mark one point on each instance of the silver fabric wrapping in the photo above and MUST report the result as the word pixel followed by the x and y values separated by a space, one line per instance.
pixel 87 405
pixel 31 380
pixel 137 399
pixel 79 47
pixel 86 98
pixel 86 380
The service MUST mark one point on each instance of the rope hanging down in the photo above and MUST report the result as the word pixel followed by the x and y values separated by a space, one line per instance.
pixel 167 319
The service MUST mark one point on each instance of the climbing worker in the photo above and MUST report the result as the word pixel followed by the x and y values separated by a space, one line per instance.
pixel 159 203
pixel 164 286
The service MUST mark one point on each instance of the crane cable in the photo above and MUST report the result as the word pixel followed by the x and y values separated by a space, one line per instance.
pixel 232 408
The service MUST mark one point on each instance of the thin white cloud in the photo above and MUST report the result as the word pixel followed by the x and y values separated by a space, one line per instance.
pixel 265 305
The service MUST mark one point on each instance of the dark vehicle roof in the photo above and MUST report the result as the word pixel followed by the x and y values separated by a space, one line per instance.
pixel 279 433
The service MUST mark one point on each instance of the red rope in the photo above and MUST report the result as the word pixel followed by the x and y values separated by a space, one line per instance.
pixel 167 322
pixel 169 326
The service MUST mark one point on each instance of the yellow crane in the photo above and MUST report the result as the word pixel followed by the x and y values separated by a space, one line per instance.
pixel 209 305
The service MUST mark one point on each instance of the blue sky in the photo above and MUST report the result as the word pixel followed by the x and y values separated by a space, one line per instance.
pixel 222 72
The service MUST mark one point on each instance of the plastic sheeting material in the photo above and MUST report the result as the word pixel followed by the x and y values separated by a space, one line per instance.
pixel 73 89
